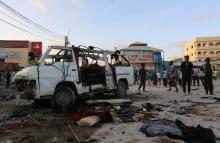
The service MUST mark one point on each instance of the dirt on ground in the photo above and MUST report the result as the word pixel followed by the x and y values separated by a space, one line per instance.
pixel 40 123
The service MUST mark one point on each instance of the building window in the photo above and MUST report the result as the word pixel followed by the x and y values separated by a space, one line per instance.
pixel 128 53
pixel 191 47
pixel 198 44
pixel 199 53
pixel 204 53
pixel 211 44
pixel 187 49
pixel 211 53
pixel 204 44
pixel 218 53
pixel 192 54
pixel 217 44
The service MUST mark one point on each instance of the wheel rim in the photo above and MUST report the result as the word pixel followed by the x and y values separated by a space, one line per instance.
pixel 63 97
pixel 122 89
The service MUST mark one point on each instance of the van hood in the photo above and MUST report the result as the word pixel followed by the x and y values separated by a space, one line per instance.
pixel 26 74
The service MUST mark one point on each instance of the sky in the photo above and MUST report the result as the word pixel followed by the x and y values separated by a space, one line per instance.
pixel 164 24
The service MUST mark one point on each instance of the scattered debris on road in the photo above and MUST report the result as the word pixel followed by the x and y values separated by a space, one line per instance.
pixel 110 119
pixel 178 130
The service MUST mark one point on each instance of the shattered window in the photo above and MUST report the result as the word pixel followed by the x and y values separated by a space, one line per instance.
pixel 58 55
pixel 124 61
pixel 91 58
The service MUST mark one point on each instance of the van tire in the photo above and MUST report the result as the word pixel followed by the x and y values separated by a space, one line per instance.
pixel 121 90
pixel 64 97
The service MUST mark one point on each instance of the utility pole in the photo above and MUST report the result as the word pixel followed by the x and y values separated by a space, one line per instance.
pixel 66 41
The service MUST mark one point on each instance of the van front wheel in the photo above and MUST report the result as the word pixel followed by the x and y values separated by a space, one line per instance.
pixel 121 89
pixel 64 97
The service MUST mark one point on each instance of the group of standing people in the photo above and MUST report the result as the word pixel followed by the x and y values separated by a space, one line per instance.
pixel 144 75
pixel 188 74
pixel 184 76
pixel 156 77
pixel 207 77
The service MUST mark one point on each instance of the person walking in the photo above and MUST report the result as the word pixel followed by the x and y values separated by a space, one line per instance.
pixel 148 77
pixel 201 76
pixel 136 77
pixel 154 78
pixel 186 69
pixel 208 69
pixel 180 78
pixel 8 78
pixel 196 72
pixel 142 75
pixel 172 77
pixel 158 77
pixel 165 78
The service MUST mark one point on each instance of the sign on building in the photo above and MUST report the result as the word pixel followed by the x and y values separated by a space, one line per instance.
pixel 36 48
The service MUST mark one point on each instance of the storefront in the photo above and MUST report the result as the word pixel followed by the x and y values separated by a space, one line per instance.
pixel 140 53
pixel 18 51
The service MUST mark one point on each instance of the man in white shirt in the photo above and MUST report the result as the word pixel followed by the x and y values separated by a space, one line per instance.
pixel 196 73
pixel 165 78
pixel 158 77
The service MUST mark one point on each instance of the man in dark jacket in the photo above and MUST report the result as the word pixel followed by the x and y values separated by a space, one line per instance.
pixel 186 69
pixel 8 78
pixel 136 77
pixel 208 69
pixel 142 75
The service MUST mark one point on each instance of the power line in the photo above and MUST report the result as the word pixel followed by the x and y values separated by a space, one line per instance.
pixel 16 13
pixel 18 21
pixel 25 30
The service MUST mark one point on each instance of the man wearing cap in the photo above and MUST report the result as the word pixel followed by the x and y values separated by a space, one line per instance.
pixel 186 69
pixel 208 69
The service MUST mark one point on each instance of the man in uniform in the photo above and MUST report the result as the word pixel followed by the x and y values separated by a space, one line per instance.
pixel 208 69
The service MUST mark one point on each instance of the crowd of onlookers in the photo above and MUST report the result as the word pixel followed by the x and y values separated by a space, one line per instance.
pixel 185 76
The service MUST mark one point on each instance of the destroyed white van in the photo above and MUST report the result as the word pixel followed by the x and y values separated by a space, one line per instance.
pixel 65 73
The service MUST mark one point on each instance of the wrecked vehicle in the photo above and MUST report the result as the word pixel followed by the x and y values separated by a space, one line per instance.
pixel 64 73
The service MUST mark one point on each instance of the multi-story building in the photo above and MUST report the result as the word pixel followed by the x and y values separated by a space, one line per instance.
pixel 201 48
pixel 139 53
